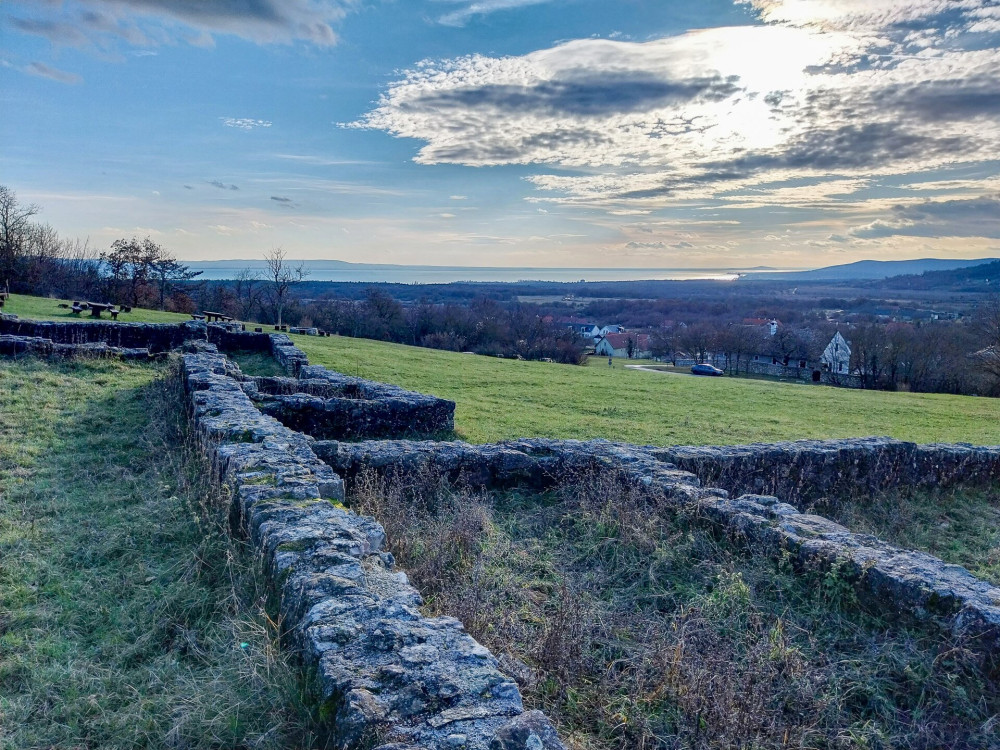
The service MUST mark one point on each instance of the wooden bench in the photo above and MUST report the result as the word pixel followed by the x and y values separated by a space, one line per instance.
pixel 79 307
pixel 96 308
pixel 195 316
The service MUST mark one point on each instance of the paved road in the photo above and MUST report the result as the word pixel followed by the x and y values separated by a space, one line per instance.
pixel 646 368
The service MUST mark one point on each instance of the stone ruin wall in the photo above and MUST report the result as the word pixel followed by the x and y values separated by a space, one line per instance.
pixel 387 676
pixel 803 472
pixel 390 678
pixel 909 584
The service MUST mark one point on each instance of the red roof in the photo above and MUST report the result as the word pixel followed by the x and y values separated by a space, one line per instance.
pixel 620 340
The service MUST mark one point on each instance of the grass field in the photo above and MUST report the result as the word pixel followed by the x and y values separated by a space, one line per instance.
pixel 43 308
pixel 500 399
pixel 128 616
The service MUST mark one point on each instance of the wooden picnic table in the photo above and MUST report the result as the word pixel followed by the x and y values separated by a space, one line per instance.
pixel 217 316
pixel 96 308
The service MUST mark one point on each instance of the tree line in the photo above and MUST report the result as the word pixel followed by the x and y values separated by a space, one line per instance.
pixel 961 356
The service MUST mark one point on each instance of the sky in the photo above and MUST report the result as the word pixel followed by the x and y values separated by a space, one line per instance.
pixel 523 133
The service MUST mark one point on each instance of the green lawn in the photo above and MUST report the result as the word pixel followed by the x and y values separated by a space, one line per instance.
pixel 42 308
pixel 128 616
pixel 501 399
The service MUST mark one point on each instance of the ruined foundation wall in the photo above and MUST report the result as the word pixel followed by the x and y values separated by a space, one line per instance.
pixel 328 405
pixel 893 581
pixel 387 676
pixel 156 337
pixel 805 471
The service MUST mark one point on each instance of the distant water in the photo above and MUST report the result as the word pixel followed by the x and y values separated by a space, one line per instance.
pixel 371 273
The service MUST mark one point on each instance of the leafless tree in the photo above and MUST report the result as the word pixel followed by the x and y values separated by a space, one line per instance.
pixel 247 290
pixel 988 325
pixel 15 227
pixel 282 277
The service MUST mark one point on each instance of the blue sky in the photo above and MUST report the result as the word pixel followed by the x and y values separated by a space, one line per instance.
pixel 576 133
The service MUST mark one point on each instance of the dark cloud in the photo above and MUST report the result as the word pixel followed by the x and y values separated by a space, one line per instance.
pixel 282 200
pixel 944 100
pixel 263 21
pixel 967 217
pixel 596 95
pixel 223 186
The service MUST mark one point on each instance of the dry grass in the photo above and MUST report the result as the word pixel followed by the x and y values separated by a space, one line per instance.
pixel 636 628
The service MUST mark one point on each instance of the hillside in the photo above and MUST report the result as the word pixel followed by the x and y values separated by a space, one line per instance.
pixel 872 269
pixel 983 277
pixel 500 399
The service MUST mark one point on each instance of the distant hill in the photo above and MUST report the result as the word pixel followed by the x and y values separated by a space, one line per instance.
pixel 872 270
pixel 984 277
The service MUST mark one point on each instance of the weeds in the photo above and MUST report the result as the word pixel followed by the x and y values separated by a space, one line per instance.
pixel 635 627
pixel 129 616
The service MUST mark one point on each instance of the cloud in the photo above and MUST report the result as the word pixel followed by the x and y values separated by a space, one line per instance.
pixel 53 74
pixel 281 199
pixel 972 217
pixel 222 185
pixel 245 123
pixel 817 90
pixel 470 10
pixel 148 23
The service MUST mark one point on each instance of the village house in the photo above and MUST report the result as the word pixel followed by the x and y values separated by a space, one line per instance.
pixel 837 355
pixel 770 325
pixel 618 345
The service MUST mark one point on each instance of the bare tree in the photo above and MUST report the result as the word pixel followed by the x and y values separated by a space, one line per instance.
pixel 15 226
pixel 282 277
pixel 246 288
pixel 988 327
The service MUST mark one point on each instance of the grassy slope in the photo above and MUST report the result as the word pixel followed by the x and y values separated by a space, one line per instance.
pixel 43 308
pixel 500 399
pixel 128 618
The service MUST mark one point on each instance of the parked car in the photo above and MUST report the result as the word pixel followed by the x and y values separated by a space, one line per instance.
pixel 704 369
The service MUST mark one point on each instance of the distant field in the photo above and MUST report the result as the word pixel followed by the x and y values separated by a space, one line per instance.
pixel 500 399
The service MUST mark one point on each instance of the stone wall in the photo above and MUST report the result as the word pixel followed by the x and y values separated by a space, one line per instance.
pixel 156 337
pixel 387 677
pixel 806 471
pixel 329 405
pixel 13 346
pixel 903 583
